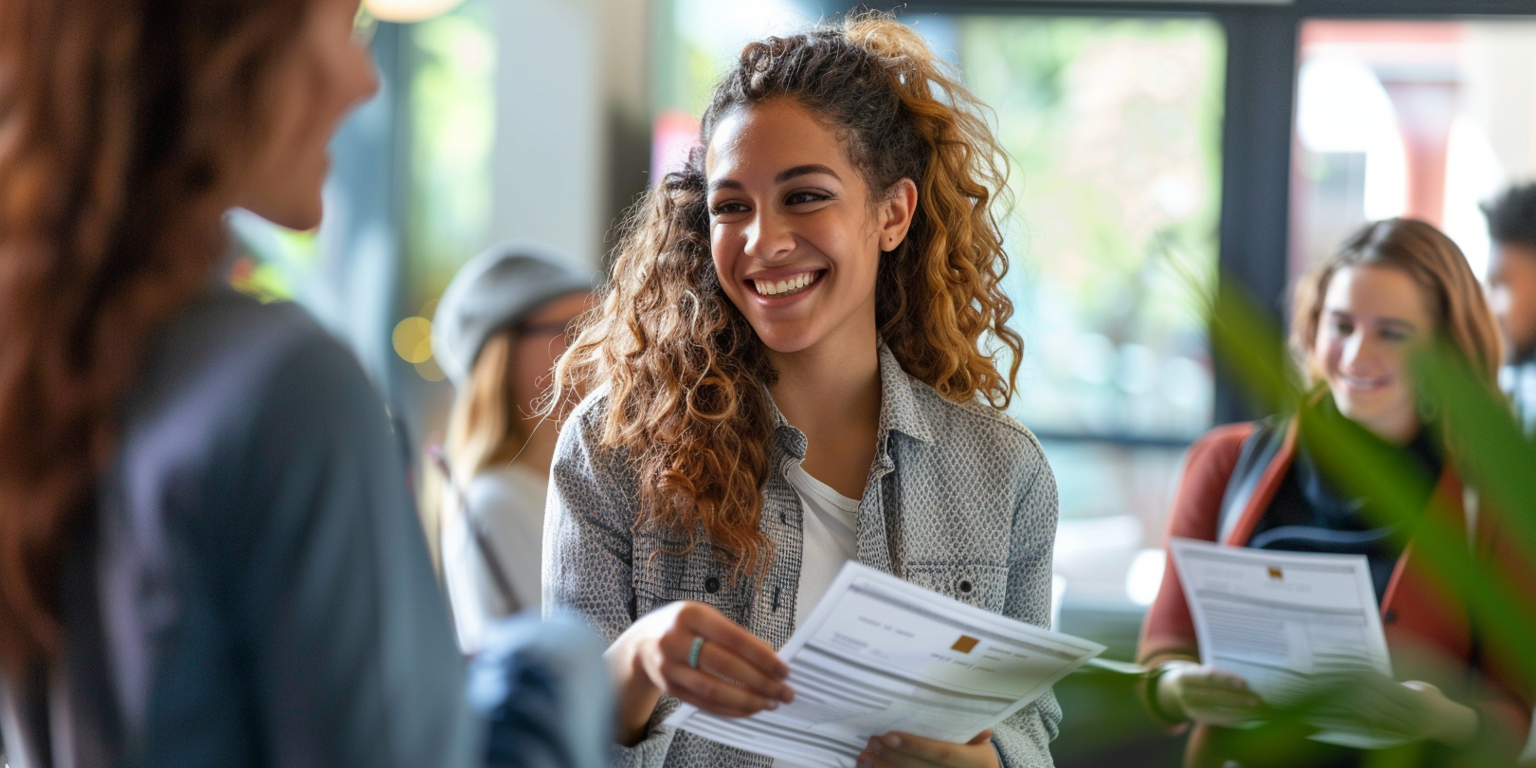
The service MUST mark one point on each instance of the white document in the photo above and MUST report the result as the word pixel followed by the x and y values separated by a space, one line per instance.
pixel 878 655
pixel 1277 618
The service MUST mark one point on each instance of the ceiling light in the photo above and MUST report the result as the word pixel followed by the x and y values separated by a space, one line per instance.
pixel 407 11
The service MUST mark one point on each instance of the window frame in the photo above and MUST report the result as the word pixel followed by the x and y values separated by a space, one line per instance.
pixel 1263 38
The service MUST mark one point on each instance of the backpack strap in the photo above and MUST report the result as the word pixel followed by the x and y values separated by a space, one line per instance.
pixel 1256 454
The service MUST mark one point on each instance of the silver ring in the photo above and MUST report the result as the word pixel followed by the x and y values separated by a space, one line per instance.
pixel 693 653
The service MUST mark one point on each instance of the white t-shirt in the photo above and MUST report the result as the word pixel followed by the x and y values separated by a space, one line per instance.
pixel 829 537
pixel 507 502
pixel 829 527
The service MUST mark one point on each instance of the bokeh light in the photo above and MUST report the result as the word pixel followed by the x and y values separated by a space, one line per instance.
pixel 413 340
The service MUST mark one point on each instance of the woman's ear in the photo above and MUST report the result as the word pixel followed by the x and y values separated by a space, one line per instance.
pixel 896 213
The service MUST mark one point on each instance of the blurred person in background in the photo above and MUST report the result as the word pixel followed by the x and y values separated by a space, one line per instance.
pixel 1512 291
pixel 1394 286
pixel 208 551
pixel 499 328
pixel 788 372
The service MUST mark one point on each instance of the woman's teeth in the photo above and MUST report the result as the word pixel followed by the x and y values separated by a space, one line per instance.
pixel 794 284
pixel 1358 383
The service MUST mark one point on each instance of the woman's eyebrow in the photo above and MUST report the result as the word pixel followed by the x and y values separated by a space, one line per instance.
pixel 804 170
pixel 784 175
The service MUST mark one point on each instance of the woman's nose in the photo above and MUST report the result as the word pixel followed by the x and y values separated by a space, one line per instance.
pixel 367 81
pixel 1360 348
pixel 769 237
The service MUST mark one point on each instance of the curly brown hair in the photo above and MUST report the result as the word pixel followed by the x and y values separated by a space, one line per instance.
pixel 688 378
pixel 121 125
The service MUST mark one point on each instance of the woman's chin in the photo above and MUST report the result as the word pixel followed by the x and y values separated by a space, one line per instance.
pixel 302 216
pixel 1378 412
pixel 786 346
pixel 785 338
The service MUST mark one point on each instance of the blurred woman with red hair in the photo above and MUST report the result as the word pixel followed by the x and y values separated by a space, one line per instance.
pixel 208 553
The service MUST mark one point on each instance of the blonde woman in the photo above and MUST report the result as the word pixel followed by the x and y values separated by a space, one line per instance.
pixel 499 328
pixel 793 367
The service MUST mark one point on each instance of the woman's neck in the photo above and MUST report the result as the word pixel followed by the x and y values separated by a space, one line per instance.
pixel 1395 431
pixel 832 394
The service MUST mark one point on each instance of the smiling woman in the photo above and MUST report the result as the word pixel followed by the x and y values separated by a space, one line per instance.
pixel 1393 284
pixel 794 367
pixel 793 239
pixel 1391 290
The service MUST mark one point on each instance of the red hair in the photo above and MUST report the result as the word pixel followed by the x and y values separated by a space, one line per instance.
pixel 121 125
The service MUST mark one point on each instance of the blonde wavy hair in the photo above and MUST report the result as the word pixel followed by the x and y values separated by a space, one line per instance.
pixel 485 426
pixel 688 400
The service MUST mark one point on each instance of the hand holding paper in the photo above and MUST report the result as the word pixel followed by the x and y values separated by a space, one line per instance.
pixel 656 655
pixel 1277 618
pixel 899 750
pixel 1205 694
pixel 880 655
pixel 1287 623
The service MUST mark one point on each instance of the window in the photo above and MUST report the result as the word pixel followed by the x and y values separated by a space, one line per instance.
pixel 1409 118
pixel 1114 129
pixel 448 184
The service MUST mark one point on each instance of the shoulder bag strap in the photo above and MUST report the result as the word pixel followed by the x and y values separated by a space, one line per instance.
pixel 477 534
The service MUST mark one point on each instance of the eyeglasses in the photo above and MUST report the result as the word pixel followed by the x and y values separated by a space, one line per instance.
pixel 553 328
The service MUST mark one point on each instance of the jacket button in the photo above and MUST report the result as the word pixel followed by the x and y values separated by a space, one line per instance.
pixel 965 585
pixel 711 585
pixel 1389 618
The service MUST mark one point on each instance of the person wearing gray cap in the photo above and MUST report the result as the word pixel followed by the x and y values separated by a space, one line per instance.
pixel 498 330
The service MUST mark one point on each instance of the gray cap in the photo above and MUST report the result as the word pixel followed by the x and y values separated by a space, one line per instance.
pixel 496 290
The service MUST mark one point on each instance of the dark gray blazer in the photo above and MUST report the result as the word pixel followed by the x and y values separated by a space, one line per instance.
pixel 255 590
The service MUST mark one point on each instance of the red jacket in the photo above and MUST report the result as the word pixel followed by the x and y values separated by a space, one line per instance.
pixel 1427 627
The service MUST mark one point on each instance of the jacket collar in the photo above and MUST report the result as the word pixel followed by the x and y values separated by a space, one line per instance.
pixel 899 411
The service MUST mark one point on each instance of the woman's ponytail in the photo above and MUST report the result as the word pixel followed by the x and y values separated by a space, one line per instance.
pixel 959 260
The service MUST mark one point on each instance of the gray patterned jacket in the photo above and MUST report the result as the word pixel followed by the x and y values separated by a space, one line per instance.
pixel 960 500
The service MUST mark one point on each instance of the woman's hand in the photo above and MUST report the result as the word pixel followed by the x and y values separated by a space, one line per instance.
pixel 903 750
pixel 737 675
pixel 1371 701
pixel 1203 694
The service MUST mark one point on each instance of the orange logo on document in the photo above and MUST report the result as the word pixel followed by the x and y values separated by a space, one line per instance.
pixel 1276 574
pixel 965 644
